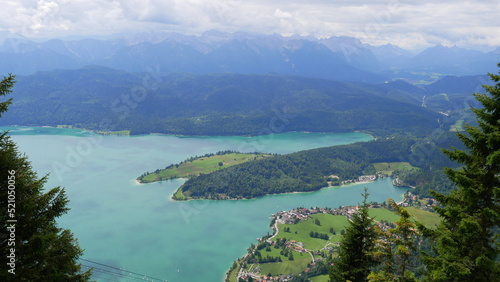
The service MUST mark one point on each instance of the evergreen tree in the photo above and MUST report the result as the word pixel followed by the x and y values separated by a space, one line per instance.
pixel 384 255
pixel 395 248
pixel 356 247
pixel 467 239
pixel 32 247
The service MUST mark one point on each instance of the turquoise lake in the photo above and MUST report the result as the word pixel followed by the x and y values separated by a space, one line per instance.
pixel 139 228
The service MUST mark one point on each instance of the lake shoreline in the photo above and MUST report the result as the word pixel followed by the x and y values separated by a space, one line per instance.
pixel 101 132
pixel 287 193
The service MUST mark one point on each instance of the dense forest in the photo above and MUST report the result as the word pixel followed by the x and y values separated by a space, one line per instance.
pixel 226 104
pixel 309 170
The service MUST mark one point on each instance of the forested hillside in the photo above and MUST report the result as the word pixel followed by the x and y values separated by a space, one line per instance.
pixel 309 170
pixel 213 104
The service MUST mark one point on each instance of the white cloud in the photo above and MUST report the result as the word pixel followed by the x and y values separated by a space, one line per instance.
pixel 46 16
pixel 415 23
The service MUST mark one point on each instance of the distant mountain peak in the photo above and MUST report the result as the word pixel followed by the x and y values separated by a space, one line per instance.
pixel 336 57
pixel 214 35
pixel 343 44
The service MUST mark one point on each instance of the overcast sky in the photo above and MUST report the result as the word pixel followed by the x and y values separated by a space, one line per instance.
pixel 409 24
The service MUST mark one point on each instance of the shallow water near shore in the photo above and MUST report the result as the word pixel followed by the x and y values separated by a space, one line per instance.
pixel 139 228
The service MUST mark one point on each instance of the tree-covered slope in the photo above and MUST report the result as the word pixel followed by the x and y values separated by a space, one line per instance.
pixel 210 104
pixel 309 170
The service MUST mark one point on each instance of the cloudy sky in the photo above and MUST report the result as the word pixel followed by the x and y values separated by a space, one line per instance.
pixel 409 24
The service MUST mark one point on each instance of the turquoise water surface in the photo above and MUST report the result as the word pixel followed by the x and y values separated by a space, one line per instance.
pixel 139 228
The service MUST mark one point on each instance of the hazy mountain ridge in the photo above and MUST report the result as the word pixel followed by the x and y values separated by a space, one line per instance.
pixel 336 58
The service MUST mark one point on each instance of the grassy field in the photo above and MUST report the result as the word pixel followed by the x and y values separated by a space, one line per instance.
pixel 427 218
pixel 295 266
pixel 320 278
pixel 201 165
pixel 179 196
pixel 458 126
pixel 119 132
pixel 389 168
pixel 303 229
pixel 64 126
pixel 233 275
pixel 445 96
pixel 383 214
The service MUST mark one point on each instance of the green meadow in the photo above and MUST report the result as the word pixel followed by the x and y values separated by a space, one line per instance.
pixel 427 218
pixel 303 229
pixel 389 168
pixel 202 165
pixel 320 278
pixel 379 214
pixel 458 126
pixel 295 266
pixel 300 232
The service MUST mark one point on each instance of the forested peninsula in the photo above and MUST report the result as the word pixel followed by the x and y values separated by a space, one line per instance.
pixel 314 169
pixel 198 165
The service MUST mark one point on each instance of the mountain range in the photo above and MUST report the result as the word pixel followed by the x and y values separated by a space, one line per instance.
pixel 102 98
pixel 334 58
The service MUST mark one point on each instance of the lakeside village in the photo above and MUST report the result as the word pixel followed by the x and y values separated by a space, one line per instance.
pixel 333 180
pixel 250 266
